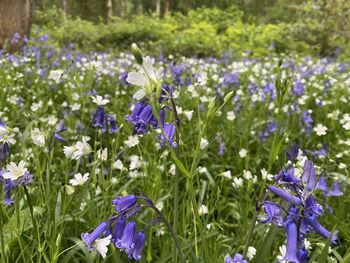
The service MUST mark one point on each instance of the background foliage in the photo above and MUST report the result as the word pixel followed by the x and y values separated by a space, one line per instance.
pixel 203 28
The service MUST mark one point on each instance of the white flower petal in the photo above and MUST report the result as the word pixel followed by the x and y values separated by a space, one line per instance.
pixel 137 79
pixel 140 94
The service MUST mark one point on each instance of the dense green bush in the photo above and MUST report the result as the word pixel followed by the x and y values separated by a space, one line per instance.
pixel 202 32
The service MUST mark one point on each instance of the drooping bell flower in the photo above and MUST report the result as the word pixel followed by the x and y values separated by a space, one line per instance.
pixel 292 242
pixel 119 229
pixel 123 203
pixel 139 243
pixel 313 222
pixel 89 239
pixel 273 213
pixel 284 195
pixel 309 175
pixel 126 242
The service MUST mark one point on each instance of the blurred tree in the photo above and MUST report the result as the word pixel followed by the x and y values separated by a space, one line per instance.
pixel 15 22
pixel 109 6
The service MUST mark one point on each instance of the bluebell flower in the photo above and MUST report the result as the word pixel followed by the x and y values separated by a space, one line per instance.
pixel 302 255
pixel 123 203
pixel 293 153
pixel 284 195
pixel 169 131
pixel 237 258
pixel 9 185
pixel 221 149
pixel 313 222
pixel 89 239
pixel 126 242
pixel 273 213
pixel 119 229
pixel 292 242
pixel 139 243
pixel 309 175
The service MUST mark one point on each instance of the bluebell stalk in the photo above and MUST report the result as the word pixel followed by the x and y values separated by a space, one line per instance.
pixel 301 207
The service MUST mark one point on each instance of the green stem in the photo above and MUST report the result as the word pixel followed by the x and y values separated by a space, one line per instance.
pixel 176 199
pixel 173 234
pixel 35 227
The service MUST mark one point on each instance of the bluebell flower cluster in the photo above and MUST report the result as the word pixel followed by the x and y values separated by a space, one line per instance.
pixel 143 119
pixel 300 206
pixel 266 132
pixel 100 119
pixel 121 229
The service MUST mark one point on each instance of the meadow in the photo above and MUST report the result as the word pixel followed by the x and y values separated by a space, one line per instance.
pixel 117 157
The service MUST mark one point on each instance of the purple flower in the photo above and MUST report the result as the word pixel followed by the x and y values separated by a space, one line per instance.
pixel 313 222
pixel 88 239
pixel 293 153
pixel 273 213
pixel 119 229
pixel 139 243
pixel 169 131
pixel 284 195
pixel 98 118
pixel 302 255
pixel 123 203
pixel 9 185
pixel 335 190
pixel 292 242
pixel 126 242
pixel 221 149
pixel 309 175
pixel 237 258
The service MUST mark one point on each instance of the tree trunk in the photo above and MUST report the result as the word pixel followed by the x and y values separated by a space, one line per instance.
pixel 64 7
pixel 109 6
pixel 167 7
pixel 158 8
pixel 15 23
pixel 122 8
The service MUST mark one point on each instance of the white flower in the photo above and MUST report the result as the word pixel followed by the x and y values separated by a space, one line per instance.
pixel 9 138
pixel 237 182
pixel 99 100
pixel 101 245
pixel 227 174
pixel 82 148
pixel 243 153
pixel 188 114
pixel 231 116
pixel 265 175
pixel 203 144
pixel 283 251
pixel 69 150
pixel 79 179
pixel 145 77
pixel 3 131
pixel 132 141
pixel 118 165
pixel 102 154
pixel 14 172
pixel 320 130
pixel 202 210
pixel 134 162
pixel 56 75
pixel 251 253
pixel 247 175
pixel 38 137
pixel 172 169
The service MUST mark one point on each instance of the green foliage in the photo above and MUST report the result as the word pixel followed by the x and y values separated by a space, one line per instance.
pixel 202 32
